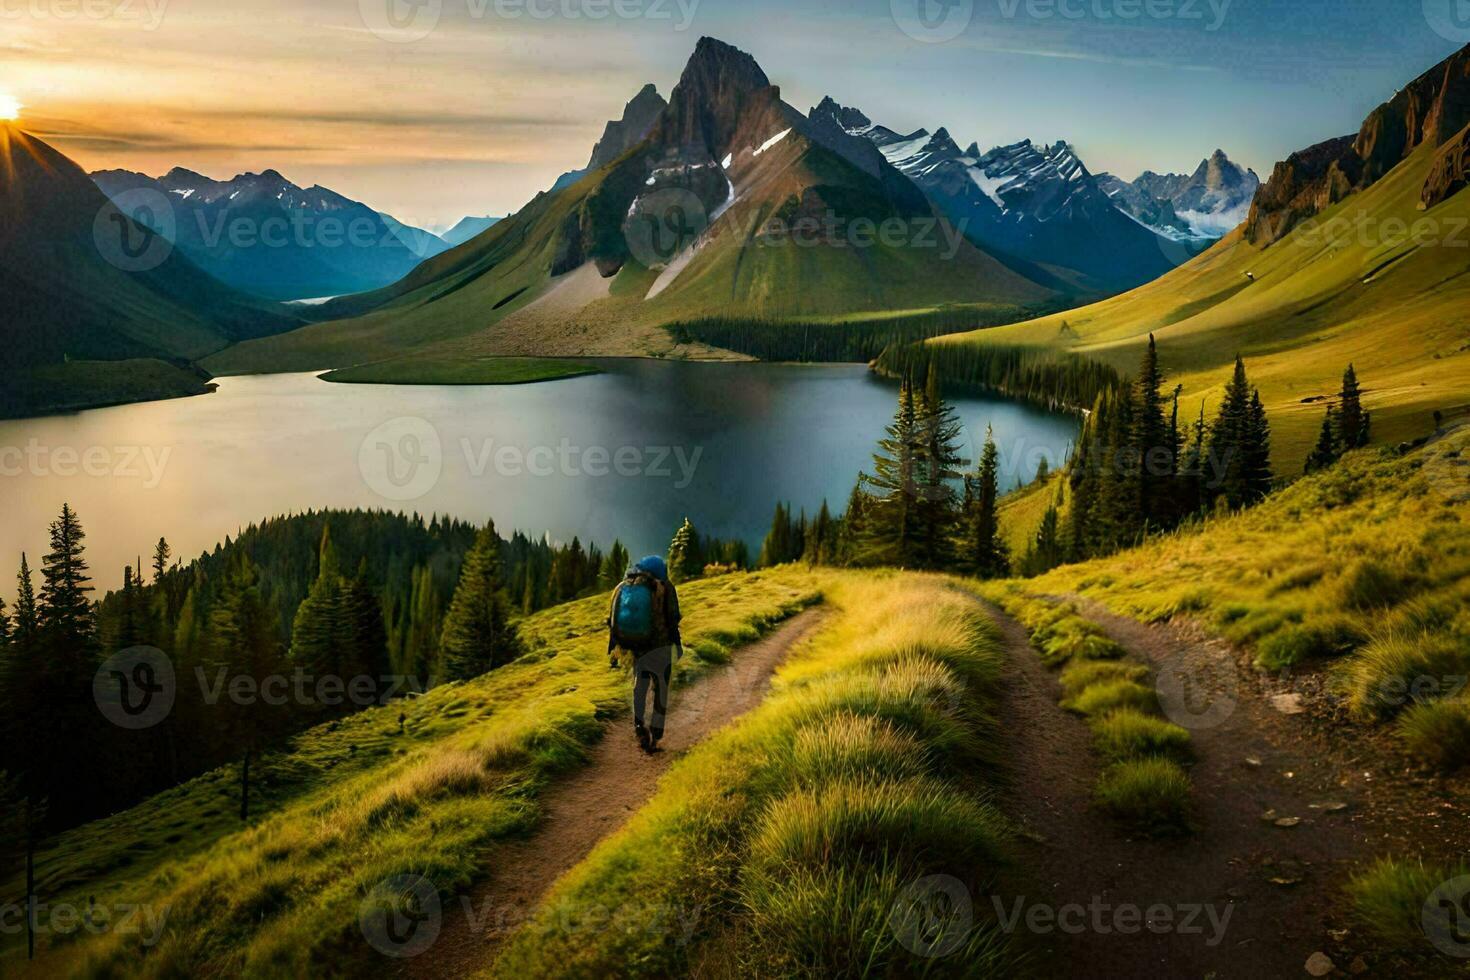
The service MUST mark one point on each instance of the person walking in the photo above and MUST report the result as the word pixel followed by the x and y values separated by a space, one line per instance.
pixel 644 621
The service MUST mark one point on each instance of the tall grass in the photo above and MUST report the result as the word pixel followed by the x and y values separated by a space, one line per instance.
pixel 800 830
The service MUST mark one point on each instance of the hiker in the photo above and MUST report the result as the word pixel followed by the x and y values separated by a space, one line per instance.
pixel 644 620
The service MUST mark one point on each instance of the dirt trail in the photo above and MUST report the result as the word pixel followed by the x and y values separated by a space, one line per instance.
pixel 1279 885
pixel 582 809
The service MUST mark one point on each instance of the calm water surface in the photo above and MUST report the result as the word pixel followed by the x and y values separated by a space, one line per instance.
pixel 627 454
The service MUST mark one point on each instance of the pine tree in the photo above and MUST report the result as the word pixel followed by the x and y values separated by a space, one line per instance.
pixel 939 465
pixel 1152 440
pixel 1043 471
pixel 821 544
pixel 985 553
pixel 1258 477
pixel 161 556
pixel 26 622
pixel 1325 453
pixel 478 634
pixel 1229 441
pixel 852 529
pixel 319 635
pixel 614 567
pixel 65 611
pixel 776 548
pixel 1352 421
pixel 4 624
pixel 892 519
pixel 686 556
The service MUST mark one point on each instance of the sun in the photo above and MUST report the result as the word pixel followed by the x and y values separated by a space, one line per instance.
pixel 9 106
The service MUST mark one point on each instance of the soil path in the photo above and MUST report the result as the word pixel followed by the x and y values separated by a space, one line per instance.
pixel 587 806
pixel 1279 884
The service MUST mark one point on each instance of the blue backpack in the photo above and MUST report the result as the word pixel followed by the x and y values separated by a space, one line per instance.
pixel 635 619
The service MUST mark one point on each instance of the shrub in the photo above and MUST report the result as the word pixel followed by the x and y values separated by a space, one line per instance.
pixel 1330 636
pixel 1149 795
pixel 849 746
pixel 1372 585
pixel 1084 673
pixel 1130 734
pixel 1388 899
pixel 1399 669
pixel 1438 734
pixel 1106 696
pixel 1080 646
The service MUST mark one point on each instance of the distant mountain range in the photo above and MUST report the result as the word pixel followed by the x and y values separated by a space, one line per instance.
pixel 466 229
pixel 1204 206
pixel 1037 203
pixel 1354 252
pixel 265 235
pixel 97 308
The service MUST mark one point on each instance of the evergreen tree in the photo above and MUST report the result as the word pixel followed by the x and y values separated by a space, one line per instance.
pixel 1258 476
pixel 319 635
pixel 4 624
pixel 1229 441
pixel 1152 440
pixel 614 567
pixel 65 611
pixel 1191 471
pixel 26 623
pixel 852 529
pixel 1326 452
pixel 686 555
pixel 985 553
pixel 939 464
pixel 821 543
pixel 777 546
pixel 478 634
pixel 161 556
pixel 1043 471
pixel 892 519
pixel 1352 421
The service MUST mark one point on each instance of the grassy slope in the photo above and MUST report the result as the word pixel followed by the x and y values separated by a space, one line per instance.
pixel 481 371
pixel 1320 300
pixel 786 841
pixel 448 307
pixel 354 802
pixel 1365 568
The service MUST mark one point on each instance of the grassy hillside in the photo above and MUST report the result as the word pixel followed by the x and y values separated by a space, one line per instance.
pixel 1372 280
pixel 351 803
pixel 1362 571
pixel 479 371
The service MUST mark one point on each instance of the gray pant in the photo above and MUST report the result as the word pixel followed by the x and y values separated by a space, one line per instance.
pixel 653 669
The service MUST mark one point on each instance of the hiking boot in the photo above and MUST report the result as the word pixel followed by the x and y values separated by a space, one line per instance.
pixel 653 739
pixel 643 738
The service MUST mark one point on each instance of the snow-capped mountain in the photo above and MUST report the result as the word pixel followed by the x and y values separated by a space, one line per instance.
pixel 268 236
pixel 1036 203
pixel 1204 206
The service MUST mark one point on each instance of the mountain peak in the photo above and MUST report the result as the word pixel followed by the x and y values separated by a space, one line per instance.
pixel 717 85
pixel 621 135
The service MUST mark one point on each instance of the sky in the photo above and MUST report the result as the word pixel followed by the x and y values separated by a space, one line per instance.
pixel 434 109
